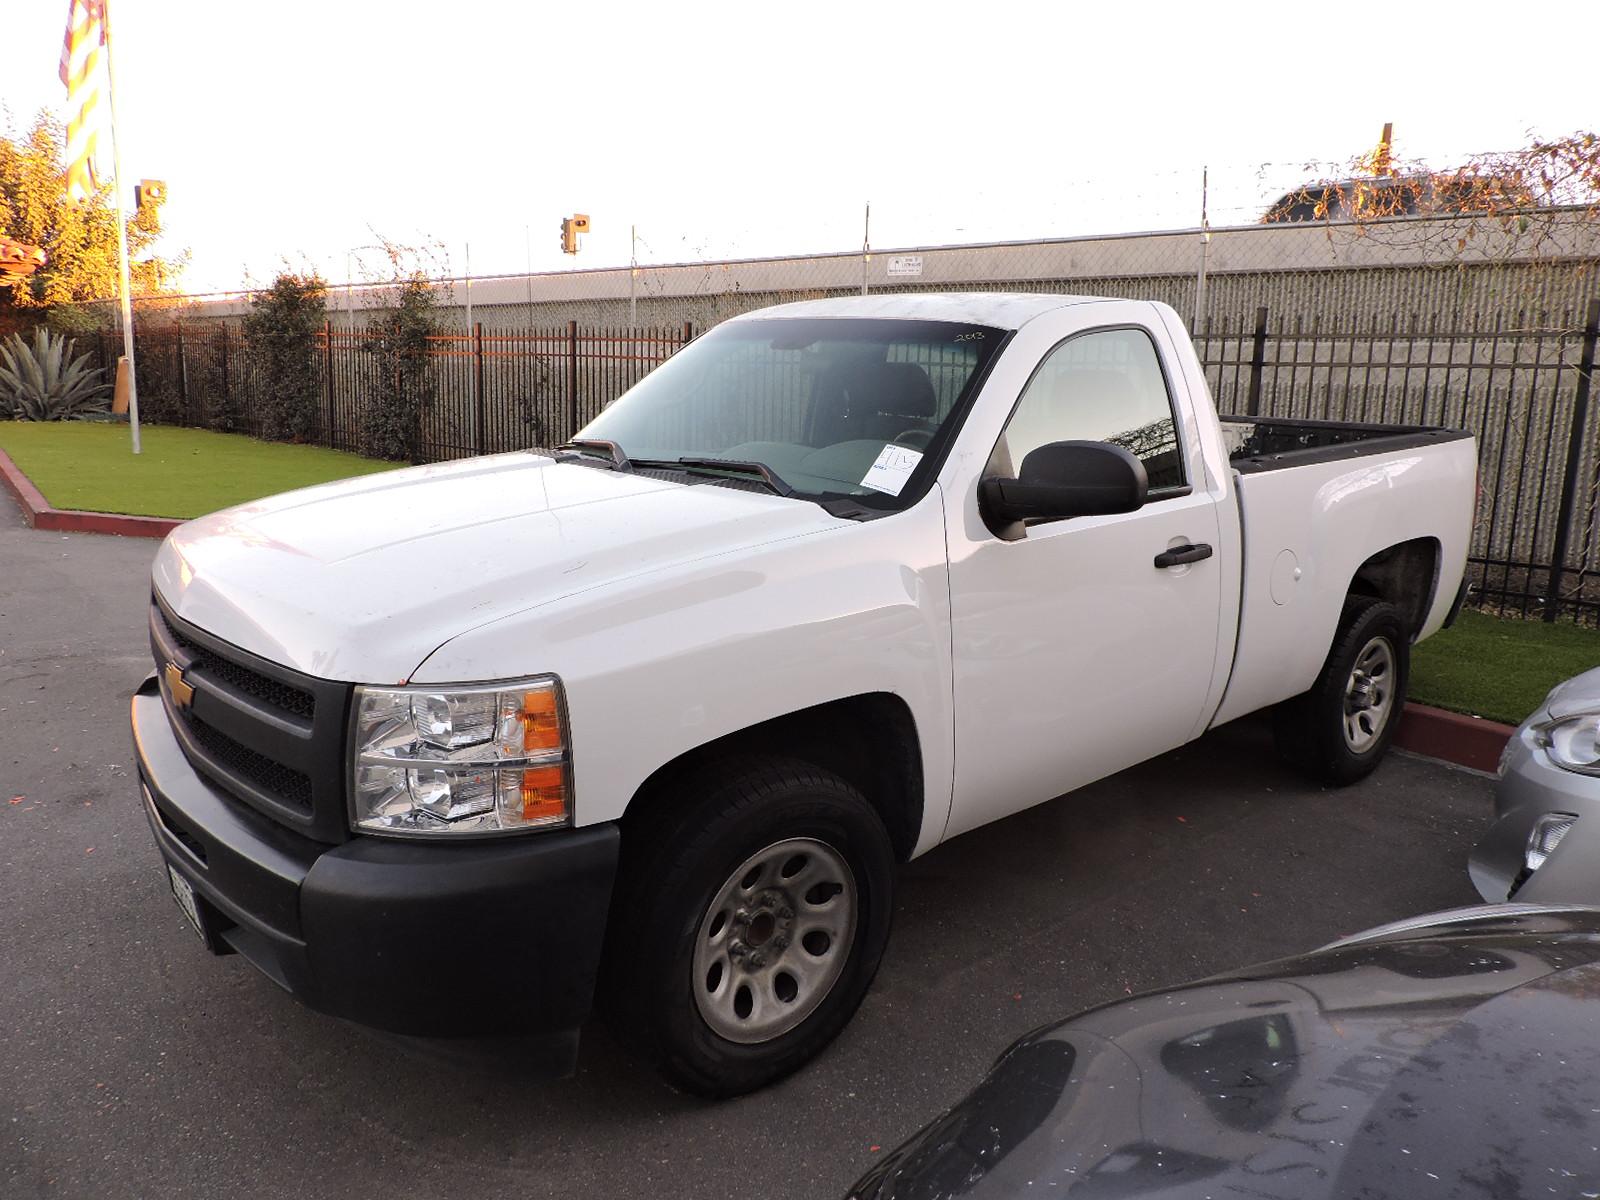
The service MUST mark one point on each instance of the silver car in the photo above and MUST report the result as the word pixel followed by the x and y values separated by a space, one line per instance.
pixel 1549 784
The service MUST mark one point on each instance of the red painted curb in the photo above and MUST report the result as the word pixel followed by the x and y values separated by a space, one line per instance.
pixel 37 512
pixel 1454 737
pixel 20 486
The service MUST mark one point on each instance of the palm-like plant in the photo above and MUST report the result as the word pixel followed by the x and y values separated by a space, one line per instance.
pixel 44 382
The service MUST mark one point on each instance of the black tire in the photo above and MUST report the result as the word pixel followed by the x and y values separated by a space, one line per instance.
pixel 1310 729
pixel 678 857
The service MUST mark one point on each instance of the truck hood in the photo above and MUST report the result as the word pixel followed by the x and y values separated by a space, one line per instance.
pixel 361 580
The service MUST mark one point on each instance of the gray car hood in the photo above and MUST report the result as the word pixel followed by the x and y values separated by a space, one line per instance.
pixel 1581 693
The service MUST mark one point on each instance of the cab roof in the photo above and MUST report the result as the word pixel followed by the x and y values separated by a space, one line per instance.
pixel 997 310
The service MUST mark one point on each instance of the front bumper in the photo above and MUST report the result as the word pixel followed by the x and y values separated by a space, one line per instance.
pixel 1530 786
pixel 483 938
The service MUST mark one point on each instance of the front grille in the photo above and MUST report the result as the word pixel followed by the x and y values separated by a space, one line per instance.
pixel 279 695
pixel 285 783
pixel 266 735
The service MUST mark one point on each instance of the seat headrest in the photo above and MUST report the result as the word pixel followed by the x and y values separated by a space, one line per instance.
pixel 903 389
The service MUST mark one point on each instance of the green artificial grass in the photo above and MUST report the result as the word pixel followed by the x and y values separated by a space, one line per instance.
pixel 181 472
pixel 1499 668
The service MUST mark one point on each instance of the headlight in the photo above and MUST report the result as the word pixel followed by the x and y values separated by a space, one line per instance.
pixel 1574 742
pixel 460 760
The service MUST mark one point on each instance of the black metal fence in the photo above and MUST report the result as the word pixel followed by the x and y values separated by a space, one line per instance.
pixel 1519 381
pixel 495 389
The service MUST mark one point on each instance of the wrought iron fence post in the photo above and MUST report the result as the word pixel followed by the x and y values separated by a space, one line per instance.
pixel 1569 481
pixel 183 377
pixel 572 380
pixel 1258 362
pixel 327 373
pixel 477 379
pixel 222 370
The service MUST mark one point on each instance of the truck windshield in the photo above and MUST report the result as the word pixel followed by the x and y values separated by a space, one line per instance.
pixel 830 408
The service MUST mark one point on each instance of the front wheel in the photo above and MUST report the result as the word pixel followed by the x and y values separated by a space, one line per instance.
pixel 753 913
pixel 1340 729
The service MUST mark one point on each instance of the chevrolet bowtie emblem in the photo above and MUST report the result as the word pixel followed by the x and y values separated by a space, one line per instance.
pixel 182 692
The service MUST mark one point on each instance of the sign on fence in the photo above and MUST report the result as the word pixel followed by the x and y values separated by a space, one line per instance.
pixel 905 266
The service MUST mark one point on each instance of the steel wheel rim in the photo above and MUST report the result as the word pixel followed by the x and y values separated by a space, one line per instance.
pixel 770 947
pixel 1369 695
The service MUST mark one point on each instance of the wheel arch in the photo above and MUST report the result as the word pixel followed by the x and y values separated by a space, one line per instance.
pixel 1405 574
pixel 870 740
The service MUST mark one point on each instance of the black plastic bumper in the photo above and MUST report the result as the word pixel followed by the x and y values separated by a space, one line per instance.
pixel 487 938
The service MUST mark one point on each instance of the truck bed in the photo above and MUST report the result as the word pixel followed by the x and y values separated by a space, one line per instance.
pixel 1315 498
pixel 1272 443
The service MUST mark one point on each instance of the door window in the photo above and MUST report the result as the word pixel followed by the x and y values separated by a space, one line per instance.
pixel 1105 386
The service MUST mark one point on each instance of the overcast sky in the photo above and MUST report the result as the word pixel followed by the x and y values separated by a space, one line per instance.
pixel 292 130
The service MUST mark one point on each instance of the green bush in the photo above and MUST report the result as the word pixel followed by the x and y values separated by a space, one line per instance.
pixel 75 320
pixel 280 335
pixel 403 385
pixel 160 375
pixel 214 397
pixel 44 382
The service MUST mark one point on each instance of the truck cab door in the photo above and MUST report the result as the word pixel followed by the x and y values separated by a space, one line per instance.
pixel 1081 647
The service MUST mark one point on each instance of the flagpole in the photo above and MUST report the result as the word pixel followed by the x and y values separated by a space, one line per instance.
pixel 122 231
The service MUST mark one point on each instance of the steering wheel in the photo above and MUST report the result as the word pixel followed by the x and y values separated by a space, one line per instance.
pixel 913 439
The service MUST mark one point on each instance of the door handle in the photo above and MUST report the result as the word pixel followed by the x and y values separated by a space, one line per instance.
pixel 1179 555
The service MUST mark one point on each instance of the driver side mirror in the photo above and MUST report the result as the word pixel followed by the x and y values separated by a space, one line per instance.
pixel 1065 479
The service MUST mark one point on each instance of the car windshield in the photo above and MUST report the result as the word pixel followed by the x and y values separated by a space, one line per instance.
pixel 819 408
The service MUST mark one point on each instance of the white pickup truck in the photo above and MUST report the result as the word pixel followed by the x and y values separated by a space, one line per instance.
pixel 455 749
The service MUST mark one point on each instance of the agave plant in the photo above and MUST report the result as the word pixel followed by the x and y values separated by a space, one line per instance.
pixel 44 382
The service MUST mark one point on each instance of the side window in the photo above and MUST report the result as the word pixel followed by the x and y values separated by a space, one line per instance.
pixel 1101 387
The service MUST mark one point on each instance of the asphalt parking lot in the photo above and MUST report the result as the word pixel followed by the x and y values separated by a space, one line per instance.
pixel 132 1064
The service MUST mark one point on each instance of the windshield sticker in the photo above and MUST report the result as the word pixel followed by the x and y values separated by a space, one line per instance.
pixel 893 467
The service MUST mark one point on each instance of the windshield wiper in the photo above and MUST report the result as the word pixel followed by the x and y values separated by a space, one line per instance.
pixel 619 460
pixel 735 466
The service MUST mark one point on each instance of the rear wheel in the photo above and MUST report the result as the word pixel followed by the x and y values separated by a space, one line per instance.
pixel 1339 730
pixel 750 920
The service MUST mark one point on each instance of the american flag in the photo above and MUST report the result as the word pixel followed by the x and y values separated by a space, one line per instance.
pixel 80 63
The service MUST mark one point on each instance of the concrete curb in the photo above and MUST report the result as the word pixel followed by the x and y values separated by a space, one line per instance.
pixel 1454 737
pixel 37 512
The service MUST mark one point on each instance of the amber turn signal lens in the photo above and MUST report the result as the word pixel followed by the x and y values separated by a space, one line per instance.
pixel 541 722
pixel 544 793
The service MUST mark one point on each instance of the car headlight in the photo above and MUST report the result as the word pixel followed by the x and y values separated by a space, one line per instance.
pixel 479 760
pixel 1573 742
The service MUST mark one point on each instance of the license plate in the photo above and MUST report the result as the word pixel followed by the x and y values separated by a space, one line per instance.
pixel 183 893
